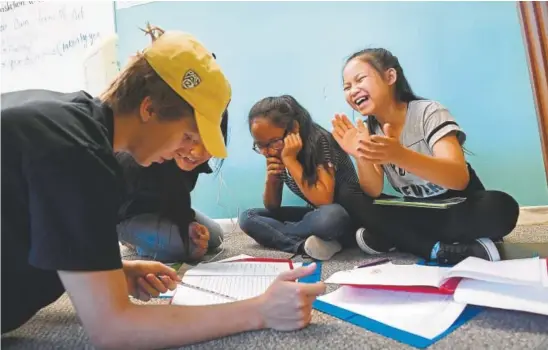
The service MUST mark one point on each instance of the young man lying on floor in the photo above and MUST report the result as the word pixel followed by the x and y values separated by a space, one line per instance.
pixel 61 191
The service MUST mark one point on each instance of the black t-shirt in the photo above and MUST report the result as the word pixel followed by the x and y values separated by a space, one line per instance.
pixel 61 190
pixel 162 189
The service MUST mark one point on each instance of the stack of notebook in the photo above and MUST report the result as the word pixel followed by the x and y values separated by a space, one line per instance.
pixel 419 305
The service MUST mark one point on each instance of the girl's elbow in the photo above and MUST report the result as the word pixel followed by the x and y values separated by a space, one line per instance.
pixel 372 192
pixel 462 181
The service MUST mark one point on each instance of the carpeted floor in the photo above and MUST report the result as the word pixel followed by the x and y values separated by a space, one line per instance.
pixel 57 327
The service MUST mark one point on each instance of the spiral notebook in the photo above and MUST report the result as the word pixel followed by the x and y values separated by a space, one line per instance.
pixel 229 280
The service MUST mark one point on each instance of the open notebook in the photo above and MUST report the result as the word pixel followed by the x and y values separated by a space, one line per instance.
pixel 228 281
pixel 528 272
pixel 520 284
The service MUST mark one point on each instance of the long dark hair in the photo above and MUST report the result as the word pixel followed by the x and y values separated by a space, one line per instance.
pixel 283 111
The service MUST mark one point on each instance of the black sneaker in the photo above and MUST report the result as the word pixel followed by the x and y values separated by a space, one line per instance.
pixel 483 248
pixel 371 244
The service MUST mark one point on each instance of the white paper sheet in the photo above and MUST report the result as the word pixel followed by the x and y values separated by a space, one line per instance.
pixel 170 293
pixel 503 296
pixel 426 315
pixel 237 287
pixel 544 272
pixel 390 274
pixel 239 269
pixel 189 296
pixel 516 271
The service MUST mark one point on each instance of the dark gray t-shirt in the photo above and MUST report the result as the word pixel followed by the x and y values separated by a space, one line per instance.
pixel 425 124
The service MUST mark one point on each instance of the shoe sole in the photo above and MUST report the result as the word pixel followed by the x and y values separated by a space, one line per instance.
pixel 490 248
pixel 363 246
pixel 319 249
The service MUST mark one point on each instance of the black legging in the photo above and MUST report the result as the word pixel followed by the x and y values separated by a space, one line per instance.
pixel 489 214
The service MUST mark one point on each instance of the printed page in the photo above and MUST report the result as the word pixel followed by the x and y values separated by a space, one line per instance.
pixel 503 296
pixel 247 268
pixel 426 315
pixel 517 271
pixel 238 287
pixel 189 296
pixel 391 275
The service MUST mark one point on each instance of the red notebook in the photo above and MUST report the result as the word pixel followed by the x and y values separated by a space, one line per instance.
pixel 447 288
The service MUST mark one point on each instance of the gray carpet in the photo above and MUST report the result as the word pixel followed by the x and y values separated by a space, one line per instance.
pixel 57 327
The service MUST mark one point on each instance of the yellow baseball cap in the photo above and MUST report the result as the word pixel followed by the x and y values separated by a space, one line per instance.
pixel 192 71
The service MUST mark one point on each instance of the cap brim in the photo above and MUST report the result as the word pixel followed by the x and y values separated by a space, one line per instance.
pixel 212 136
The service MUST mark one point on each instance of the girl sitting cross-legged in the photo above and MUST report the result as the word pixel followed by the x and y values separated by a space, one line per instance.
pixel 304 156
pixel 418 145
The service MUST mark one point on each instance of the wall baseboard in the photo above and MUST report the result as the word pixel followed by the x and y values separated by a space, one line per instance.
pixel 537 215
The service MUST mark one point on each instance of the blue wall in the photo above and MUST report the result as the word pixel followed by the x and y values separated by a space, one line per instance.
pixel 469 56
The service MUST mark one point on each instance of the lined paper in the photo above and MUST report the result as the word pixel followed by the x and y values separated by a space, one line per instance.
pixel 239 280
pixel 237 287
pixel 227 281
pixel 188 296
pixel 247 268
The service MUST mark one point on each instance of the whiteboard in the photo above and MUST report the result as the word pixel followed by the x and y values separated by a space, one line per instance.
pixel 126 4
pixel 44 44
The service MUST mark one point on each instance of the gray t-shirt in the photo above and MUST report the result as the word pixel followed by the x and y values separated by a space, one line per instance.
pixel 425 124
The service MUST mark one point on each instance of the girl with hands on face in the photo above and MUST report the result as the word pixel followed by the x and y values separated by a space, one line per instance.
pixel 274 167
pixel 418 145
pixel 292 146
pixel 302 155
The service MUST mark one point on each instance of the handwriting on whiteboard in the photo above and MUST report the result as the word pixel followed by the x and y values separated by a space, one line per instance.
pixel 20 50
pixel 40 37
